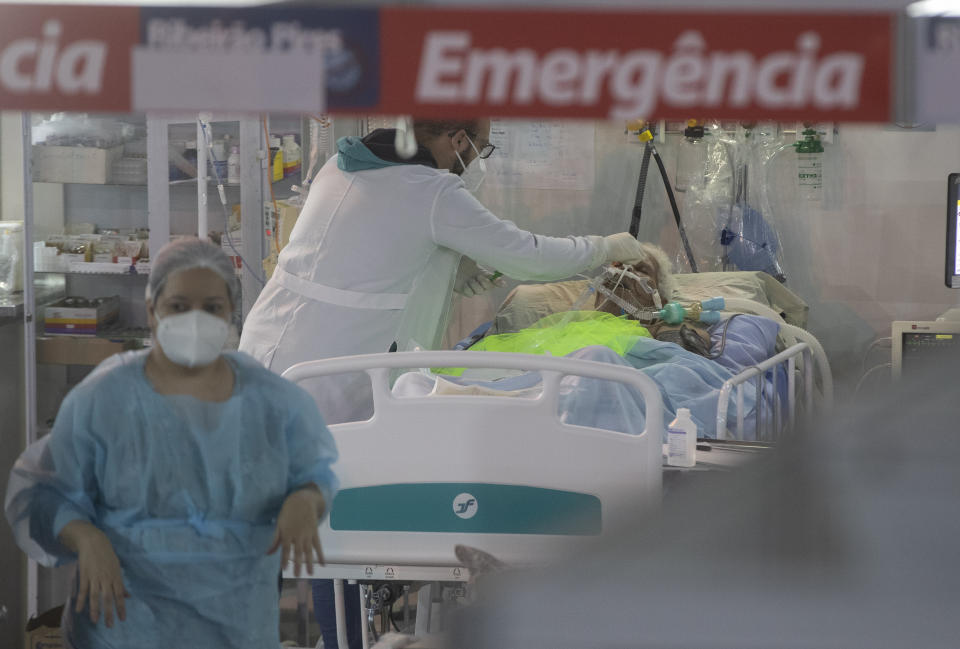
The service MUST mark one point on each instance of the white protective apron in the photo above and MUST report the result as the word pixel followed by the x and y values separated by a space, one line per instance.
pixel 423 322
pixel 426 308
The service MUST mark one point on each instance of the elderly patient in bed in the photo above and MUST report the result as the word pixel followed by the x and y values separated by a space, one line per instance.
pixel 529 303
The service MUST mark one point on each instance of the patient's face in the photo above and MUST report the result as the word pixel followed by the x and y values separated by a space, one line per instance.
pixel 630 289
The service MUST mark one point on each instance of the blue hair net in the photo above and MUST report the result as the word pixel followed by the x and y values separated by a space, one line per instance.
pixel 186 254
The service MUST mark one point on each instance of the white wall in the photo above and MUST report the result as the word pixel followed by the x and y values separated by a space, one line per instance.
pixel 876 251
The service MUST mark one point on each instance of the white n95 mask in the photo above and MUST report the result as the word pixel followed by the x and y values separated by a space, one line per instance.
pixel 474 174
pixel 192 339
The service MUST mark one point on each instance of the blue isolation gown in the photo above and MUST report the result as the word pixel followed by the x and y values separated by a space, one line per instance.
pixel 188 493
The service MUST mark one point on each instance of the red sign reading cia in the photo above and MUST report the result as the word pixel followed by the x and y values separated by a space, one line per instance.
pixel 66 58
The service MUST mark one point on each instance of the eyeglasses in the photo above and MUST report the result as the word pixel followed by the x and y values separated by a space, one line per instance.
pixel 485 151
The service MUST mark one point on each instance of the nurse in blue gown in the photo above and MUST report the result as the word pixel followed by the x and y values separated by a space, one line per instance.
pixel 178 479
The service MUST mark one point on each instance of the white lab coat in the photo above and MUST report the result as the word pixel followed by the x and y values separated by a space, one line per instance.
pixel 363 242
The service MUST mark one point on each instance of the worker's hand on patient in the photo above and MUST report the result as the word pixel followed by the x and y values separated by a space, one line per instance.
pixel 99 575
pixel 622 246
pixel 473 280
pixel 480 283
pixel 297 529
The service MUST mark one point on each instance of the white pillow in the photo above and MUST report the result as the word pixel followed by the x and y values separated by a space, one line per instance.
pixel 528 303
pixel 751 285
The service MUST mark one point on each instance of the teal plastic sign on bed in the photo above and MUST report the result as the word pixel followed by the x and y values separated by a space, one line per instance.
pixel 465 507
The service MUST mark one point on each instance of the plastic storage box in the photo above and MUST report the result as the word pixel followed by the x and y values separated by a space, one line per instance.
pixel 74 164
pixel 70 317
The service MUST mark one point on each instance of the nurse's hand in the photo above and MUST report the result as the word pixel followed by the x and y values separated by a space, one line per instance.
pixel 479 283
pixel 297 529
pixel 472 280
pixel 99 576
pixel 622 247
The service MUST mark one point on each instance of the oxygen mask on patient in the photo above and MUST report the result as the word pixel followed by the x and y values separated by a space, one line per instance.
pixel 641 282
pixel 604 288
pixel 608 287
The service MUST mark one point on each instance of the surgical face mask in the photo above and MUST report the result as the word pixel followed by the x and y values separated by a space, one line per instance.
pixel 192 339
pixel 474 174
pixel 644 283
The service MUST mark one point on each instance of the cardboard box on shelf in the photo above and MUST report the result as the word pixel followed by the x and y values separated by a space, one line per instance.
pixel 74 164
pixel 286 220
pixel 43 631
pixel 63 318
pixel 76 350
pixel 270 264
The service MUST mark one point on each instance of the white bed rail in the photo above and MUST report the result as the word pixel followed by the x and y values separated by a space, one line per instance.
pixel 487 440
pixel 378 367
pixel 777 425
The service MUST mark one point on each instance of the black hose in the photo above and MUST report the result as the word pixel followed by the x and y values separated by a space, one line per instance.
pixel 641 188
pixel 723 339
pixel 676 210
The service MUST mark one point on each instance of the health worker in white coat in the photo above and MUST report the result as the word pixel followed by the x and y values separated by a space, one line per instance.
pixel 372 259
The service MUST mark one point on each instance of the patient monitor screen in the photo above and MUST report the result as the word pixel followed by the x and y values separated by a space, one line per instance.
pixel 923 351
pixel 953 231
pixel 956 238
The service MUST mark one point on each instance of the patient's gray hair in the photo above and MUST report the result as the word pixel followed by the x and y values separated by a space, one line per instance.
pixel 665 283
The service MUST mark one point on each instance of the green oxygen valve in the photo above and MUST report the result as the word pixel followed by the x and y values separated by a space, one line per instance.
pixel 707 311
pixel 810 165
pixel 672 313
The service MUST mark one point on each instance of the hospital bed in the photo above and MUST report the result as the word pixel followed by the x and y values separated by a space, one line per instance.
pixel 501 474
pixel 802 383
pixel 506 473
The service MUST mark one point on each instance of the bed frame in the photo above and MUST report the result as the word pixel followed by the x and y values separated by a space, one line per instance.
pixel 502 474
pixel 775 423
pixel 534 493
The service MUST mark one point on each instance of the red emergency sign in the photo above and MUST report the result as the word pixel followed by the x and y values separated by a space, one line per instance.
pixel 824 67
pixel 66 58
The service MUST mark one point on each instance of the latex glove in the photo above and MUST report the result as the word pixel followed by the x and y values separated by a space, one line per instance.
pixel 297 531
pixel 99 575
pixel 473 280
pixel 622 247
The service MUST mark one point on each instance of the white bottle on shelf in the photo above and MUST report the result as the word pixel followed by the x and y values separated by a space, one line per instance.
pixel 682 440
pixel 233 166
pixel 218 165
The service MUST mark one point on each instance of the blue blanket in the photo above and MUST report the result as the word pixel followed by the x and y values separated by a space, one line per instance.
pixel 685 379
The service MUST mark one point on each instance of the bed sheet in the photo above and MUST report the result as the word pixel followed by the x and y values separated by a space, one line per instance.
pixel 685 379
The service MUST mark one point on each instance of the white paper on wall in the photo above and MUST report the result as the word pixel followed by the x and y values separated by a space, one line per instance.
pixel 542 155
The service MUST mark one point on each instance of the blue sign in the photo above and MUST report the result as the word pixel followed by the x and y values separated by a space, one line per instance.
pixel 347 38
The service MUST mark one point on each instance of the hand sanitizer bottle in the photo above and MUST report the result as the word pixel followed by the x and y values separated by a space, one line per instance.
pixel 682 440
